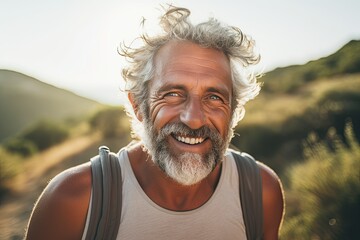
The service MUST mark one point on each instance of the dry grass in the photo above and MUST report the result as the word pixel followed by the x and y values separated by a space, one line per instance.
pixel 27 186
pixel 37 165
pixel 271 109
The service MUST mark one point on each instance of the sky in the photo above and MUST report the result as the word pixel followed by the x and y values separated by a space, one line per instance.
pixel 72 44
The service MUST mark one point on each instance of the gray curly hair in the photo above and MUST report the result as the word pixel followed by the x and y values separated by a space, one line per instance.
pixel 175 23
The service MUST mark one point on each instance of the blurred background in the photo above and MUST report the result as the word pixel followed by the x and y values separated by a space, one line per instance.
pixel 60 98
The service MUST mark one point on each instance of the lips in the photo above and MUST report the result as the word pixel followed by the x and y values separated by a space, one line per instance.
pixel 189 140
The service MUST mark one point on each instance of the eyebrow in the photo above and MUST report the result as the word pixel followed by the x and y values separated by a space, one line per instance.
pixel 168 87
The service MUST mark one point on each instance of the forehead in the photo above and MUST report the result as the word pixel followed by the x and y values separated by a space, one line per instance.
pixel 189 59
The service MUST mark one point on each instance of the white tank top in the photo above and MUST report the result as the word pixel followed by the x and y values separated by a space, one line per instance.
pixel 219 218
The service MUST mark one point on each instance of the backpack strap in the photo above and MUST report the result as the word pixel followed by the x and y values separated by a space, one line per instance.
pixel 106 196
pixel 250 183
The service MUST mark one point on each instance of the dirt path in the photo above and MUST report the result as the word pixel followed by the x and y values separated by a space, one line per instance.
pixel 16 208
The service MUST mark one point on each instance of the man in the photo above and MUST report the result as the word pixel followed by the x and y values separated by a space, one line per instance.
pixel 187 88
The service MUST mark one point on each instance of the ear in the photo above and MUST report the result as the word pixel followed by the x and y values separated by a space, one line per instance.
pixel 135 107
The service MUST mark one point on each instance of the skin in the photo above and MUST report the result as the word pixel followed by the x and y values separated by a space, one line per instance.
pixel 192 85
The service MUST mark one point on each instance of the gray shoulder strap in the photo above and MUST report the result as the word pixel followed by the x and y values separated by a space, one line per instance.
pixel 106 196
pixel 250 195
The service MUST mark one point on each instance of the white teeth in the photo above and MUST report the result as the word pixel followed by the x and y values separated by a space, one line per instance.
pixel 189 140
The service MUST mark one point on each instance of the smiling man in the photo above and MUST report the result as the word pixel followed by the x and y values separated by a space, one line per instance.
pixel 189 111
pixel 187 89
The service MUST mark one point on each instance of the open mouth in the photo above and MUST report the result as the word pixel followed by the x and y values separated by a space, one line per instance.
pixel 189 140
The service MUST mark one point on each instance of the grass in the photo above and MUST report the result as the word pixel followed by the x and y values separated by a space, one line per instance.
pixel 325 190
pixel 50 158
pixel 276 123
pixel 275 109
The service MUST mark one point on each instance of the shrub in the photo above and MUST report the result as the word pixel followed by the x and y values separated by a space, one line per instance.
pixel 21 146
pixel 45 134
pixel 9 167
pixel 111 122
pixel 327 189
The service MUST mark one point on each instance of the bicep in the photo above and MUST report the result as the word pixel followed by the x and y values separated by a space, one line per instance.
pixel 60 212
pixel 273 202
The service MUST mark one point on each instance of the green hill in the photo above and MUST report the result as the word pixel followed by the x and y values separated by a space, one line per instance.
pixel 25 100
pixel 293 105
pixel 288 79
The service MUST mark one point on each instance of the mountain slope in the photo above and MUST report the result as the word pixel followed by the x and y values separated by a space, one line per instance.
pixel 25 100
pixel 293 105
pixel 345 61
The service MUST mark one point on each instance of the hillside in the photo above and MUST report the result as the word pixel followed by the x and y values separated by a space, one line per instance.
pixel 25 100
pixel 291 106
pixel 345 61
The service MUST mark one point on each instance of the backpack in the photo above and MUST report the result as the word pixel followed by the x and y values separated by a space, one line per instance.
pixel 107 195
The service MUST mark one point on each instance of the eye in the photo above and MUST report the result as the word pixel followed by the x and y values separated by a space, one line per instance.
pixel 172 94
pixel 215 100
pixel 214 97
pixel 173 97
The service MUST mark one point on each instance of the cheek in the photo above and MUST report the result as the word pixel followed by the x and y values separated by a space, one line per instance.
pixel 220 118
pixel 162 114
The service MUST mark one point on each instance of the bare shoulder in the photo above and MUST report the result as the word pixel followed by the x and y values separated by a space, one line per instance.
pixel 273 202
pixel 60 212
pixel 271 182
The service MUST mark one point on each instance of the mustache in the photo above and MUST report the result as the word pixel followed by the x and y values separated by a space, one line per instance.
pixel 183 130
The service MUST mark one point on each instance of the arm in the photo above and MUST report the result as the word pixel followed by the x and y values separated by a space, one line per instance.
pixel 60 212
pixel 273 202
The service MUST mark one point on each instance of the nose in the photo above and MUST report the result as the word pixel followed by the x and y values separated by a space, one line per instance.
pixel 193 114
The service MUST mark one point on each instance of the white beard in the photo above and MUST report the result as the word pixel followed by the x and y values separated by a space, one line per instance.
pixel 185 168
pixel 188 169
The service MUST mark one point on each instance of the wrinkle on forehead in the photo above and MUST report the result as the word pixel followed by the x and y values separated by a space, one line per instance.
pixel 188 57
